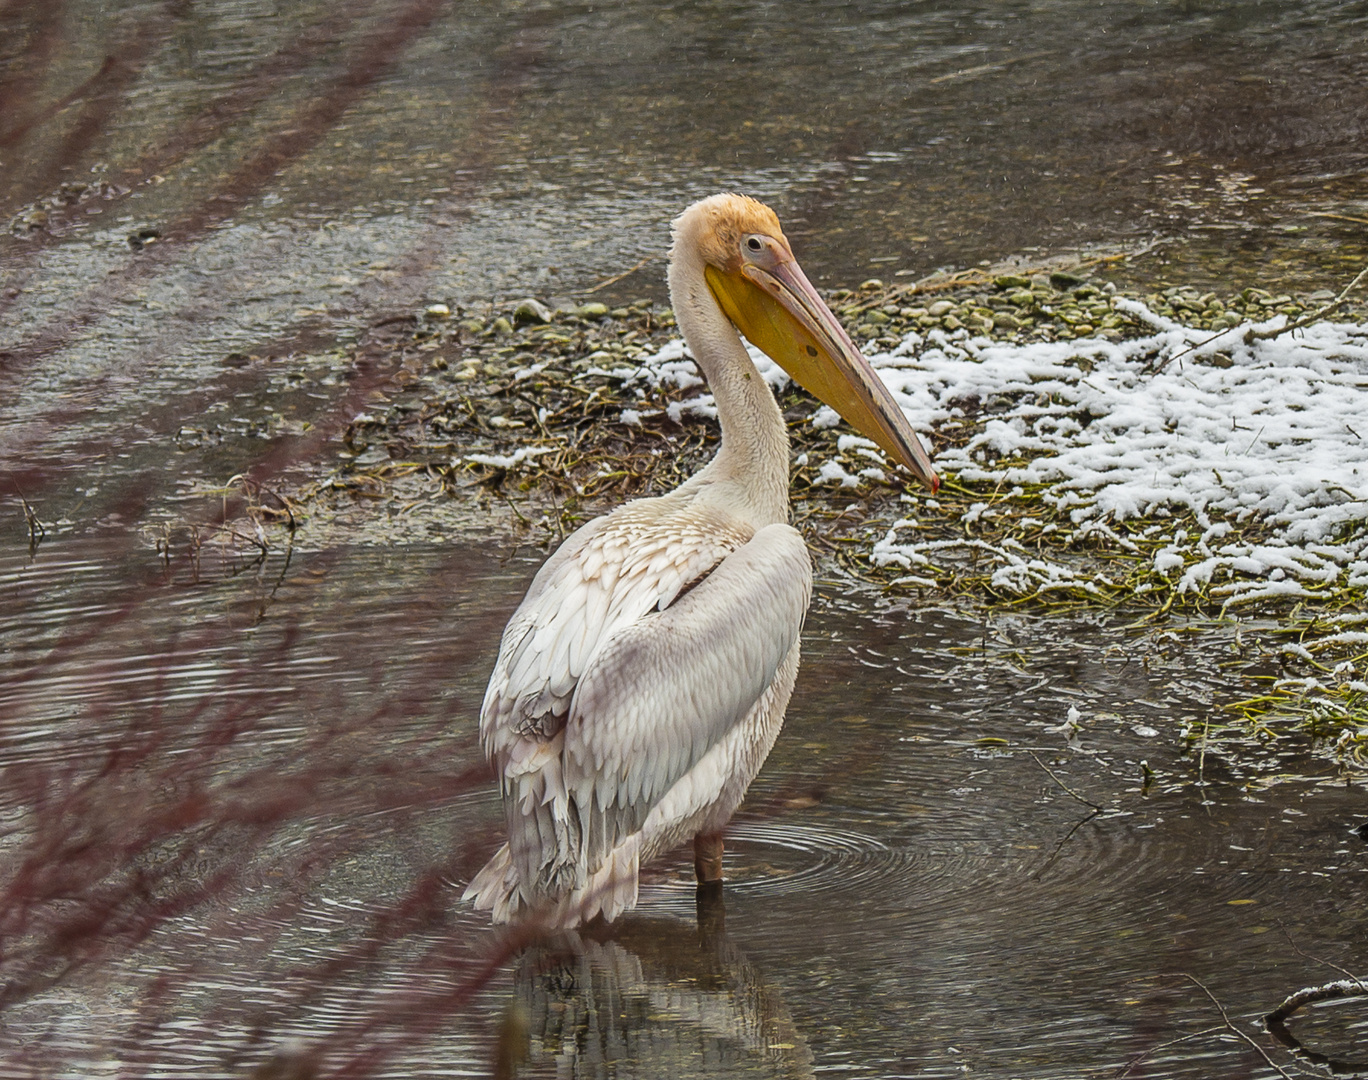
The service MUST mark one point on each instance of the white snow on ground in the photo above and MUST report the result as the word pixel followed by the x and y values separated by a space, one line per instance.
pixel 508 461
pixel 673 365
pixel 1274 430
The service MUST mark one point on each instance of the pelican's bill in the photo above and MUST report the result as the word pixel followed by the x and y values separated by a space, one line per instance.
pixel 782 315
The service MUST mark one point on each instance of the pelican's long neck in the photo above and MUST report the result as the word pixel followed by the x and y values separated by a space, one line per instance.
pixel 751 470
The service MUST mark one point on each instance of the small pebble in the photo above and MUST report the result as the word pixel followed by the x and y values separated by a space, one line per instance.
pixel 591 310
pixel 531 311
pixel 437 311
pixel 870 285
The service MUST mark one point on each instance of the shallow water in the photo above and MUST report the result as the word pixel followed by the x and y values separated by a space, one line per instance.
pixel 238 799
pixel 242 806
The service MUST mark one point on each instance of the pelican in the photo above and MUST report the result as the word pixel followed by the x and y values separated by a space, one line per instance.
pixel 643 680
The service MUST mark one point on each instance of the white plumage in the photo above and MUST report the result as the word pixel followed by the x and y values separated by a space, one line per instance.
pixel 643 679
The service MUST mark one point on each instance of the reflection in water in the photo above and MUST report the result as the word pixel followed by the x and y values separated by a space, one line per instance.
pixel 1335 1066
pixel 656 997
pixel 1323 1030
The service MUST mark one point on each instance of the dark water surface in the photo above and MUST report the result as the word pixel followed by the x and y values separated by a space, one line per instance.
pixel 239 810
pixel 238 800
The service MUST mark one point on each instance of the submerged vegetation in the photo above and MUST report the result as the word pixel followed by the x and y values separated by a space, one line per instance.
pixel 1049 399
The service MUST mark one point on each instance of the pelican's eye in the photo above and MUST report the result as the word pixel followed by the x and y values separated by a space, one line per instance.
pixel 759 250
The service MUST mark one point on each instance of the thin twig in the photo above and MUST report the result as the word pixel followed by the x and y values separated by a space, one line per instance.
pixel 981 69
pixel 1328 963
pixel 1251 335
pixel 1234 1030
pixel 1164 1046
pixel 37 532
pixel 1068 790
pixel 1183 352
pixel 1307 320
pixel 508 501
pixel 1067 837
pixel 1338 217
pixel 618 277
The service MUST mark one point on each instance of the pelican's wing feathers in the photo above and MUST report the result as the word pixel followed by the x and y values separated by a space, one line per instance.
pixel 603 578
pixel 663 691
pixel 610 684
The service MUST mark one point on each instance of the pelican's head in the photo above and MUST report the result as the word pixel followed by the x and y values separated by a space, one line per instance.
pixel 751 271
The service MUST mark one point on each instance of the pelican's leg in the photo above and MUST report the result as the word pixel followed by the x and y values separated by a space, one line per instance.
pixel 708 856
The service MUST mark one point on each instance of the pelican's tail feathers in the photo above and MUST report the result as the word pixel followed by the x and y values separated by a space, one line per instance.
pixel 495 888
pixel 608 891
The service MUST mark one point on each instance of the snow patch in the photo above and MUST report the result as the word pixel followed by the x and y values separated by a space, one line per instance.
pixel 1277 432
pixel 507 461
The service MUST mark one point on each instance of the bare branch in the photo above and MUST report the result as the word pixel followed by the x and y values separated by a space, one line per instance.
pixel 1252 335
pixel 1236 1031
pixel 1331 991
pixel 1067 837
pixel 1307 320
